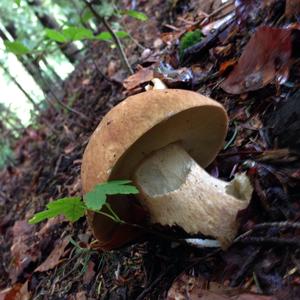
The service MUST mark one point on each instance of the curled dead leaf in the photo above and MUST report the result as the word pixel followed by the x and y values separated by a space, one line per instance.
pixel 266 57
pixel 141 76
pixel 54 258
pixel 197 288
pixel 18 291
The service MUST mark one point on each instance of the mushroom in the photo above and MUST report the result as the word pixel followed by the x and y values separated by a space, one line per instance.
pixel 162 140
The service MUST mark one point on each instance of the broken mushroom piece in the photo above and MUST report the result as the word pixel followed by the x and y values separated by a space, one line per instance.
pixel 162 140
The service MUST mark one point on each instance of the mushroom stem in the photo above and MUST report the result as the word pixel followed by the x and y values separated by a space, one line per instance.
pixel 177 191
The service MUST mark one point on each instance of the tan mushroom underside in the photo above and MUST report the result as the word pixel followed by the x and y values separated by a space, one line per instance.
pixel 134 129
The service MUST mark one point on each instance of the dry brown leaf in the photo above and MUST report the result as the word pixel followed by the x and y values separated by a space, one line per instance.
pixel 18 291
pixel 89 274
pixel 54 258
pixel 197 288
pixel 225 65
pixel 23 249
pixel 81 296
pixel 142 76
pixel 292 8
pixel 265 57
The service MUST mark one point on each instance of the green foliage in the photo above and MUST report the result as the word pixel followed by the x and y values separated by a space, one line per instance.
pixel 106 9
pixel 134 14
pixel 87 15
pixel 96 198
pixel 18 2
pixel 73 33
pixel 106 36
pixel 5 153
pixel 79 34
pixel 55 35
pixel 16 47
pixel 189 39
pixel 73 208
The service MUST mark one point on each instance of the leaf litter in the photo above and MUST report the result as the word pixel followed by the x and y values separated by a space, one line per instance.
pixel 263 263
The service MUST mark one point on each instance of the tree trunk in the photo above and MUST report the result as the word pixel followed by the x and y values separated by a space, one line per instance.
pixel 69 50
pixel 30 65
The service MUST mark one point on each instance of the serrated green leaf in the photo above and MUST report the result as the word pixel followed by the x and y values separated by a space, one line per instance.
pixel 135 14
pixel 96 198
pixel 55 35
pixel 77 33
pixel 106 36
pixel 72 208
pixel 16 47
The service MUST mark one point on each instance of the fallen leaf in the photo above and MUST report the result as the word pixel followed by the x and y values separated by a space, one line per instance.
pixel 89 274
pixel 54 258
pixel 142 76
pixel 197 288
pixel 266 57
pixel 23 249
pixel 225 65
pixel 18 291
pixel 292 8
pixel 81 296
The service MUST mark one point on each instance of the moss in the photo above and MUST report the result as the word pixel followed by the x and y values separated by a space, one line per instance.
pixel 189 39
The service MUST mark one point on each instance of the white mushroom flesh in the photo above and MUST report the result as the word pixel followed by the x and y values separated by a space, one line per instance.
pixel 177 191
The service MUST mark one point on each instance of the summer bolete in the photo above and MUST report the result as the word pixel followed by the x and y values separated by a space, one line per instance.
pixel 162 140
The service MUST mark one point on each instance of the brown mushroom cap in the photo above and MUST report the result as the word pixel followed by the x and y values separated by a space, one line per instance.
pixel 132 130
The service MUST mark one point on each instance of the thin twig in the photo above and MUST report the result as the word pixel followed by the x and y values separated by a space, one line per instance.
pixel 114 36
pixel 157 280
pixel 216 12
pixel 244 268
pixel 270 240
pixel 286 224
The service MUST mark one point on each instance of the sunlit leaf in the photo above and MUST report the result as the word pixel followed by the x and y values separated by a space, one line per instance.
pixel 96 198
pixel 106 36
pixel 72 208
pixel 106 9
pixel 87 15
pixel 135 14
pixel 77 33
pixel 55 35
pixel 18 2
pixel 16 47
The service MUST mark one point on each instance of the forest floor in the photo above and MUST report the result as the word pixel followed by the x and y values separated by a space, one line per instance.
pixel 259 92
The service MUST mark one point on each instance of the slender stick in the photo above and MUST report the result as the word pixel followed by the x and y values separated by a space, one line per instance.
pixel 114 36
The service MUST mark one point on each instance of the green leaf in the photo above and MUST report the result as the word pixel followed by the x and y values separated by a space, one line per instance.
pixel 55 35
pixel 18 2
pixel 96 198
pixel 106 9
pixel 87 15
pixel 16 47
pixel 72 208
pixel 135 14
pixel 77 33
pixel 106 36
